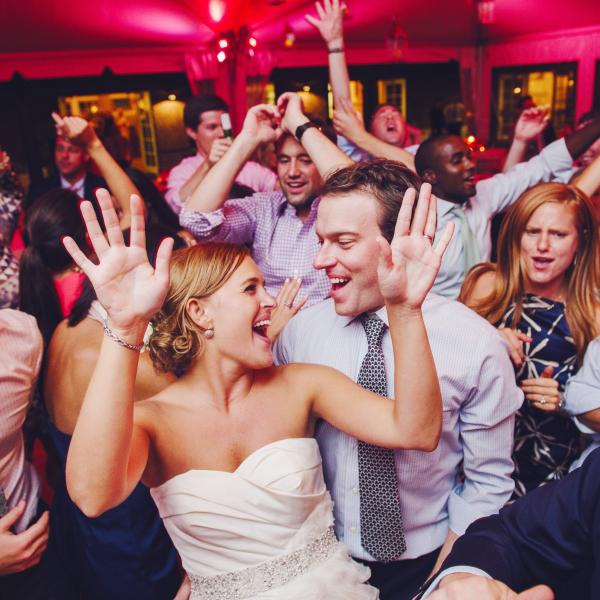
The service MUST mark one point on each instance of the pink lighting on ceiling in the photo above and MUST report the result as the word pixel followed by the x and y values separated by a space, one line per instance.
pixel 485 12
pixel 216 10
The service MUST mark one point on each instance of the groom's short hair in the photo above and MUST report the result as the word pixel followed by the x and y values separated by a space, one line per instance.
pixel 384 180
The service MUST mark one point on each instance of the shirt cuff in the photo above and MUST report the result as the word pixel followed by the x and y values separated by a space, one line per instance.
pixel 580 398
pixel 461 512
pixel 458 569
pixel 200 223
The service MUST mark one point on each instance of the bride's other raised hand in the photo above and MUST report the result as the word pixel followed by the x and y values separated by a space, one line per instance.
pixel 409 265
pixel 126 284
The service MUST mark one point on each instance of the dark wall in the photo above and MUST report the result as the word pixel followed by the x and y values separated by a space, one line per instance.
pixel 26 127
pixel 424 84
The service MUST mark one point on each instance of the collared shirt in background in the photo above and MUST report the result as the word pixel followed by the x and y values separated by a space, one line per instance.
pixel 282 245
pixel 252 175
pixel 76 187
pixel 493 196
pixel 22 347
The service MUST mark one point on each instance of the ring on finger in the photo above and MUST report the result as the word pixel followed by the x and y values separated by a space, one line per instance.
pixel 543 400
pixel 429 237
pixel 288 304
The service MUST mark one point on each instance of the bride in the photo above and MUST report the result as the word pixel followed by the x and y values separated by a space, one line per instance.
pixel 227 449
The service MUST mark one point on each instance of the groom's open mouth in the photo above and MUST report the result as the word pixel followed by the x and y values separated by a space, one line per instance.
pixel 337 283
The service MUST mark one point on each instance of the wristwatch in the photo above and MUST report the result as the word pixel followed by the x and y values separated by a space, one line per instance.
pixel 302 128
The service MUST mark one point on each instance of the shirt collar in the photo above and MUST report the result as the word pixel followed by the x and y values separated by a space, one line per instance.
pixel 381 313
pixel 76 187
pixel 285 206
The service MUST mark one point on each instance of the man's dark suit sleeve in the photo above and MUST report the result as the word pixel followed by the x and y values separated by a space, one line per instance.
pixel 542 538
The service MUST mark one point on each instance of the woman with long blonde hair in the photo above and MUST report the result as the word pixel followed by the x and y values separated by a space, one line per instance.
pixel 542 294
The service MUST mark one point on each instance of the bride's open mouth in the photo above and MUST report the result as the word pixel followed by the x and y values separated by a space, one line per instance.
pixel 260 329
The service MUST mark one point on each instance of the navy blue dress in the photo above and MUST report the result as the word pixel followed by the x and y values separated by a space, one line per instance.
pixel 123 554
pixel 545 443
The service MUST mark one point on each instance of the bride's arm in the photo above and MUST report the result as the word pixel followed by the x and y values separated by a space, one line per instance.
pixel 407 269
pixel 108 451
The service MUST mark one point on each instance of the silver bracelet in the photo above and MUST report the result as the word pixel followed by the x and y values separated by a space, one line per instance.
pixel 113 336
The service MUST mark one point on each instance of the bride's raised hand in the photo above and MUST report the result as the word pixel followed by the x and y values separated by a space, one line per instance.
pixel 126 284
pixel 409 265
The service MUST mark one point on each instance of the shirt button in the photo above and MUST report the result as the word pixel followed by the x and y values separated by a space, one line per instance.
pixel 352 529
pixel 355 490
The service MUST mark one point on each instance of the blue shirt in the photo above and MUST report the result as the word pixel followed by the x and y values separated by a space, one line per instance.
pixel 480 399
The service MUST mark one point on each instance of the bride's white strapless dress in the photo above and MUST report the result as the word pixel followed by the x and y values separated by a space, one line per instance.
pixel 264 531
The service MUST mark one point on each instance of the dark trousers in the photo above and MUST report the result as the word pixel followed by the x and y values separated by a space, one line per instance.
pixel 400 580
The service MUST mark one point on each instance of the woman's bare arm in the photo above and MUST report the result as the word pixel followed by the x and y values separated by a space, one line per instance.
pixel 108 451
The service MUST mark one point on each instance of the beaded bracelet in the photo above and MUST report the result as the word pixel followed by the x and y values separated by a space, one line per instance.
pixel 113 336
pixel 335 50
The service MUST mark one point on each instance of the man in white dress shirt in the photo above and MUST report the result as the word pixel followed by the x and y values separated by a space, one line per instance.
pixel 446 163
pixel 359 204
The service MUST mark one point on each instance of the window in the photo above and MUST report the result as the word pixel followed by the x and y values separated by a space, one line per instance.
pixel 392 91
pixel 553 86
pixel 124 121
pixel 356 96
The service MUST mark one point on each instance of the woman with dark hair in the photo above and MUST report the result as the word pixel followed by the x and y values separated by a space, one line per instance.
pixel 49 280
pixel 543 296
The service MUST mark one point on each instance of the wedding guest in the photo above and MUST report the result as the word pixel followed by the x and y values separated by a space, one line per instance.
pixel 446 163
pixel 202 120
pixel 542 547
pixel 279 225
pixel 28 565
pixel 389 135
pixel 542 296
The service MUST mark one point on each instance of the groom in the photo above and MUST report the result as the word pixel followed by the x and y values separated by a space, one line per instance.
pixel 399 512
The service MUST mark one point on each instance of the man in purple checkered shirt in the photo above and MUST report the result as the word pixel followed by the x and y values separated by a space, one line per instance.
pixel 279 226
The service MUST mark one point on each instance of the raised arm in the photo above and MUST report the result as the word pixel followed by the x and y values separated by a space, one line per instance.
pixel 78 129
pixel 330 24
pixel 580 140
pixel 347 123
pixel 260 126
pixel 530 125
pixel 406 271
pixel 588 179
pixel 322 151
pixel 108 451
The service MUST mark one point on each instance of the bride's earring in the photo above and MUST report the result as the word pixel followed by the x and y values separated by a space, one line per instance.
pixel 209 333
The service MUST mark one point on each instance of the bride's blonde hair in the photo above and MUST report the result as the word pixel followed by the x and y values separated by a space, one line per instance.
pixel 195 272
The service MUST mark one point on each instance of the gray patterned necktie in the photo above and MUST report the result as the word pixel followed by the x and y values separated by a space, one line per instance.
pixel 381 530
pixel 3 503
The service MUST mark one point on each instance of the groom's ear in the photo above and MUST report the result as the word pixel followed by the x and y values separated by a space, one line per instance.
pixel 198 313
